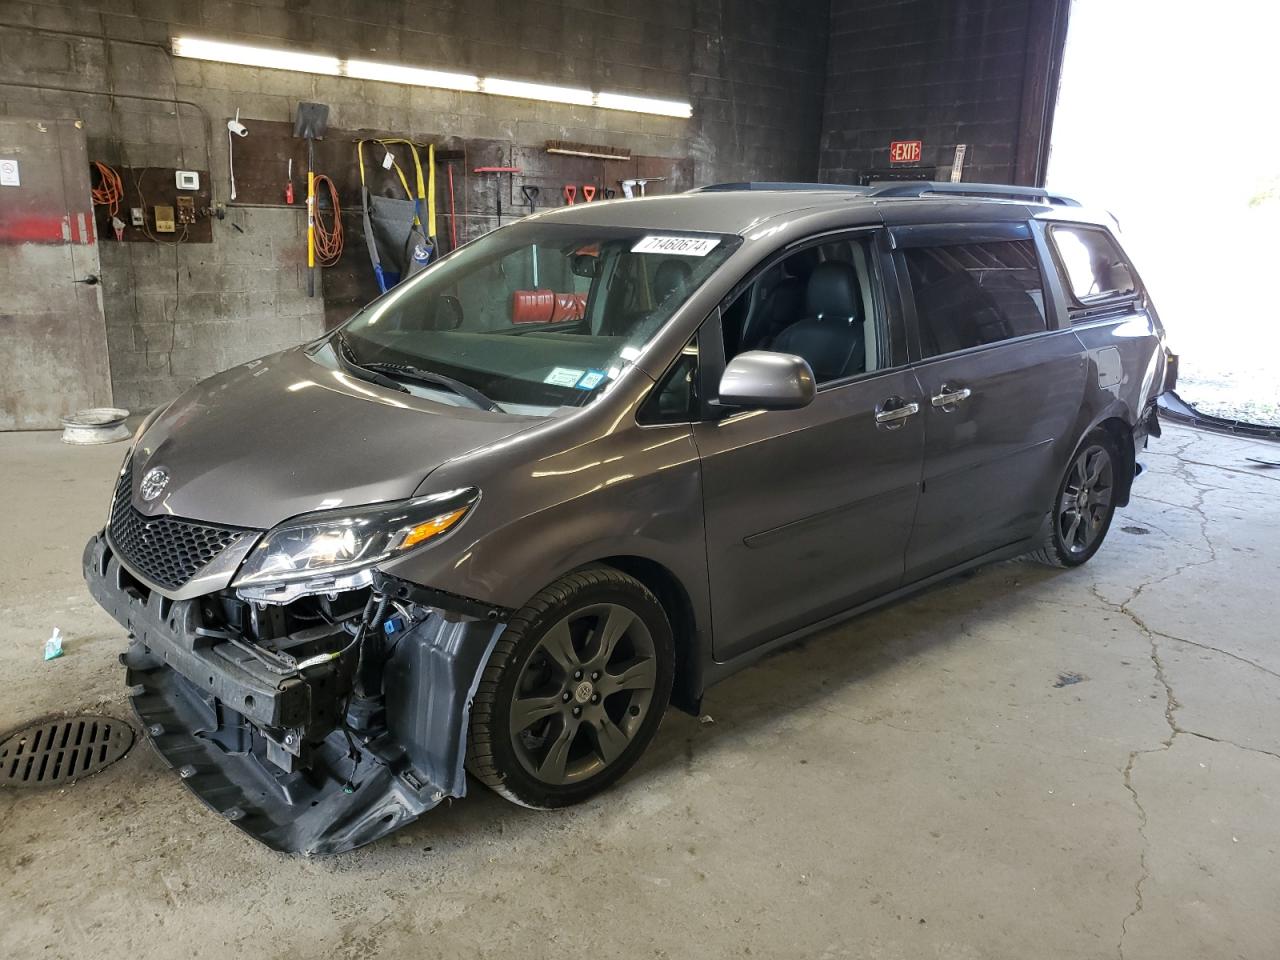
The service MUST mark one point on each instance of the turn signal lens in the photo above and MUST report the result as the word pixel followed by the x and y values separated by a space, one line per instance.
pixel 433 527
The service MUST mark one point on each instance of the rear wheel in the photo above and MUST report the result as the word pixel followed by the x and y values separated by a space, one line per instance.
pixel 574 691
pixel 1084 505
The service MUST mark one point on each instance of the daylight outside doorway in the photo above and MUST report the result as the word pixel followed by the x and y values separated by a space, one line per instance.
pixel 1166 118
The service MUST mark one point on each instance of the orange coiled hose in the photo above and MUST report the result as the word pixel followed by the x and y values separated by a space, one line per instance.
pixel 328 236
pixel 110 190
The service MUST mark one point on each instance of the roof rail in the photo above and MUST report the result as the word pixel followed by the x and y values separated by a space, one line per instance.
pixel 990 191
pixel 779 185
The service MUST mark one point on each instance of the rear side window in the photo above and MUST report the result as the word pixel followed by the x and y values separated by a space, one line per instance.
pixel 969 295
pixel 1095 269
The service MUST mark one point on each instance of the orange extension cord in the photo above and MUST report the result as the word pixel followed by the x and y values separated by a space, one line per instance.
pixel 110 190
pixel 328 237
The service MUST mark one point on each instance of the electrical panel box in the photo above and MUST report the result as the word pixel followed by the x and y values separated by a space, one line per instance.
pixel 187 179
pixel 152 190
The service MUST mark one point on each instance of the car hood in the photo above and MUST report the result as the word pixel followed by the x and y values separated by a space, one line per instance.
pixel 285 435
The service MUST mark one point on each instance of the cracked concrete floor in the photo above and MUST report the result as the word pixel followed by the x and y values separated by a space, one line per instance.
pixel 926 781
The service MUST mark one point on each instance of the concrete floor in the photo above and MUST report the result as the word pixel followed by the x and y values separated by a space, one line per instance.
pixel 917 783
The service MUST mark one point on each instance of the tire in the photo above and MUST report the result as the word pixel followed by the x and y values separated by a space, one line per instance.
pixel 1081 513
pixel 551 660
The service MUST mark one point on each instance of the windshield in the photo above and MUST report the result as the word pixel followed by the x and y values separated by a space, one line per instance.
pixel 532 317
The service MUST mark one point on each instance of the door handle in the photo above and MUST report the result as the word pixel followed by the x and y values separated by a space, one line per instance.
pixel 91 280
pixel 949 397
pixel 892 417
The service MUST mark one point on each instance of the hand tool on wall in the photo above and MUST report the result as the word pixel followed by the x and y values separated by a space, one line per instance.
pixel 288 184
pixel 599 151
pixel 531 195
pixel 570 194
pixel 634 187
pixel 588 192
pixel 453 215
pixel 310 124
pixel 499 171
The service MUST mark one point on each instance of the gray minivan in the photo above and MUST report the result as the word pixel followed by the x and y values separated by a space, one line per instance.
pixel 597 460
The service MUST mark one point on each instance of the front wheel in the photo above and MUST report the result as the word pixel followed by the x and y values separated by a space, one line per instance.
pixel 574 691
pixel 1084 505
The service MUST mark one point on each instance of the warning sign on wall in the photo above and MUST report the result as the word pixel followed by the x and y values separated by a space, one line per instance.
pixel 905 151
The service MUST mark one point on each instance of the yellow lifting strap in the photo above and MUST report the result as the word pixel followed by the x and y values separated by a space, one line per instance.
pixel 431 190
pixel 426 191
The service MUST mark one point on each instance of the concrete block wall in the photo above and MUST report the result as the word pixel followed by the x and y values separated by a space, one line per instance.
pixel 177 314
pixel 978 72
pixel 753 70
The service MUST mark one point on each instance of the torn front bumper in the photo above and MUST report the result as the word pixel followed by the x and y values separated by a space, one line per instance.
pixel 268 751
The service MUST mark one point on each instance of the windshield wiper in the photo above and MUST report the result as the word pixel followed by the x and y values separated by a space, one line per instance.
pixel 410 372
pixel 347 359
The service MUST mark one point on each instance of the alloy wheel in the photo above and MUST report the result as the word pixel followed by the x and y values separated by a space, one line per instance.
pixel 1086 501
pixel 583 694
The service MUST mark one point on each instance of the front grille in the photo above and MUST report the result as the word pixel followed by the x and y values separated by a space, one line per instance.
pixel 166 550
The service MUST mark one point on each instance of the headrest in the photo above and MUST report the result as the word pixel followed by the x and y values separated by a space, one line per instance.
pixel 833 291
pixel 669 277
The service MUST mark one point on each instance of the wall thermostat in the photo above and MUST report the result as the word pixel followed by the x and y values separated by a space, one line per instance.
pixel 188 180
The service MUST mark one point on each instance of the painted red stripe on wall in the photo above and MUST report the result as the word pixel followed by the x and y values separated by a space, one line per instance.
pixel 46 229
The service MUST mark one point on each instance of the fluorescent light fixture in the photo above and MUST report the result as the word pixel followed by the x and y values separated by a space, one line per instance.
pixel 537 91
pixel 278 59
pixel 413 76
pixel 256 56
pixel 666 108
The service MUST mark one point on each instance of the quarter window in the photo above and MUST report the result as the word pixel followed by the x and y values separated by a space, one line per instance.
pixel 675 398
pixel 1094 266
pixel 970 295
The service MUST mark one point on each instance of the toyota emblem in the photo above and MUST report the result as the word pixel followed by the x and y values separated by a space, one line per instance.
pixel 153 483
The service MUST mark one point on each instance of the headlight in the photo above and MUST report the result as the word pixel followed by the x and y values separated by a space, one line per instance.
pixel 332 543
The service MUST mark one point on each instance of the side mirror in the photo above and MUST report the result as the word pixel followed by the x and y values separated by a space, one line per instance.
pixel 761 379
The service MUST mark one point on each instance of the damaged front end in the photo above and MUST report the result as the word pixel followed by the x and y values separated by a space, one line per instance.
pixel 317 720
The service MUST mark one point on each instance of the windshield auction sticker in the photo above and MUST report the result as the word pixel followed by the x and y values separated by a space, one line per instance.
pixel 679 246
pixel 564 377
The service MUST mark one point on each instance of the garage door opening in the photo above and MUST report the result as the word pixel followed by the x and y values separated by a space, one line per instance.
pixel 1162 119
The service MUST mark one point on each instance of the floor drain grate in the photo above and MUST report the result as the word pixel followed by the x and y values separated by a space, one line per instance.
pixel 56 751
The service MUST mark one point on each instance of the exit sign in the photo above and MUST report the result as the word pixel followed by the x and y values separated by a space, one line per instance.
pixel 905 151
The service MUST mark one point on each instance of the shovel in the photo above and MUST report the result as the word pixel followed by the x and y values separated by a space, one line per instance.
pixel 310 124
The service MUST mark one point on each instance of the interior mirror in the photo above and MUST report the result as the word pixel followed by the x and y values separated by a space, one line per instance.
pixel 448 313
pixel 762 379
pixel 585 265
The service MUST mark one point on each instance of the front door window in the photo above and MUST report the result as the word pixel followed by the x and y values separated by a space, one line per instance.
pixel 818 303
